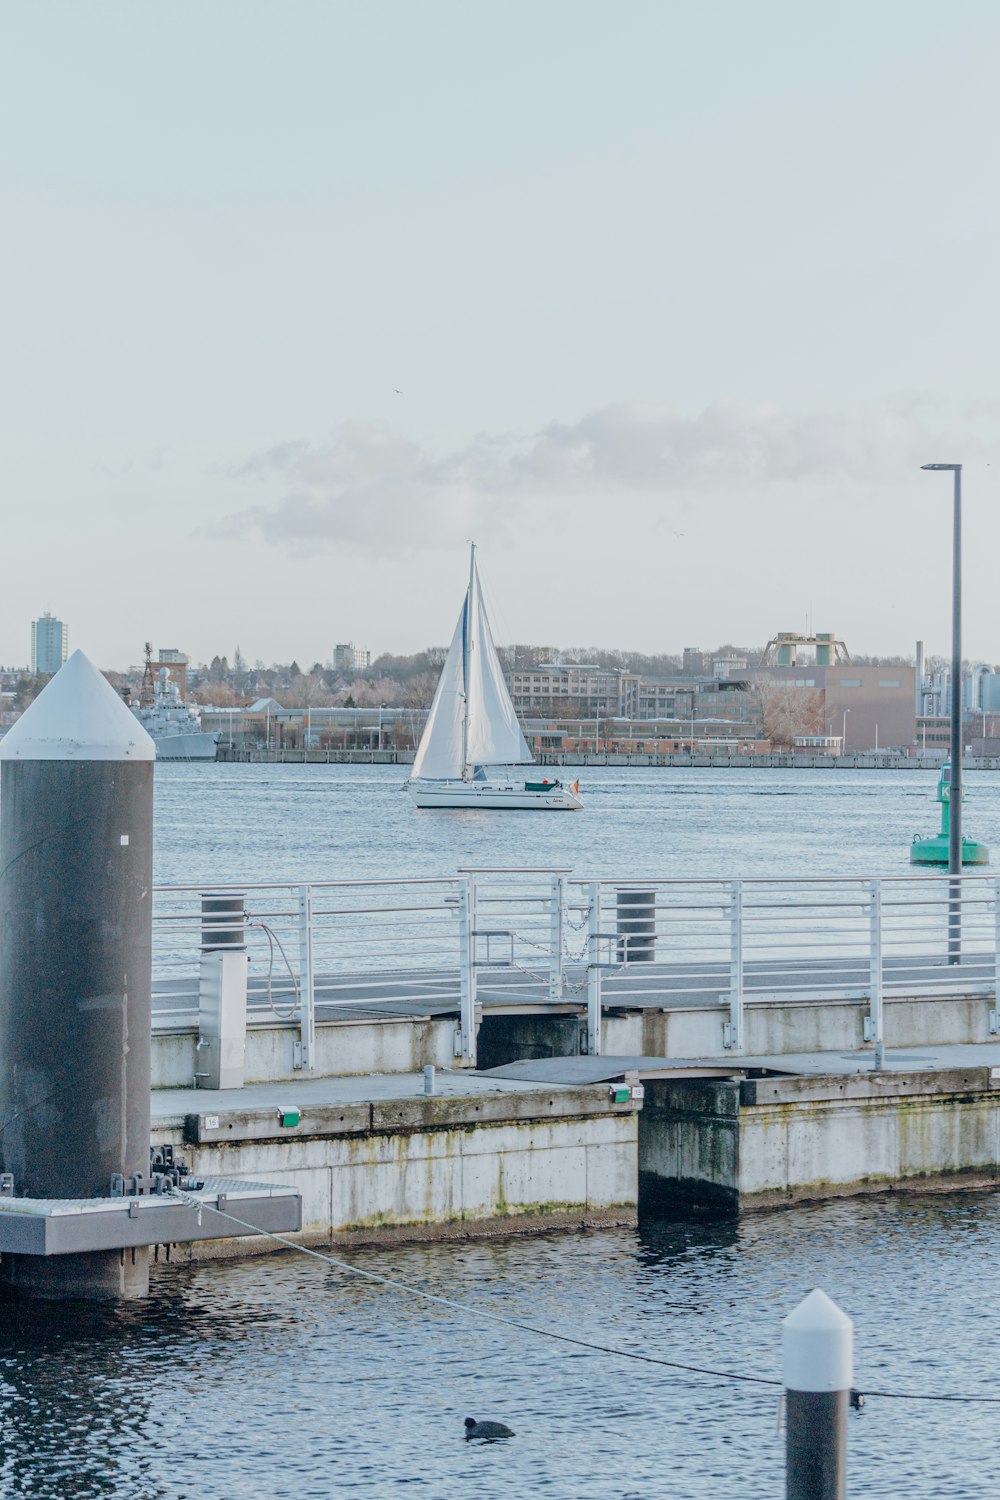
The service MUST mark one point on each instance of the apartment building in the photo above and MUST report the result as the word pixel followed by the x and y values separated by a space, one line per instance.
pixel 553 687
pixel 347 657
pixel 49 644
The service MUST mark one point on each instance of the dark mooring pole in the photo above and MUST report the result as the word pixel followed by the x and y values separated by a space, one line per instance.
pixel 818 1348
pixel 955 793
pixel 955 784
pixel 76 837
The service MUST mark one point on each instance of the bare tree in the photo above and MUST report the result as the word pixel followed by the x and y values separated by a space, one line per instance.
pixel 788 711
pixel 306 690
pixel 219 695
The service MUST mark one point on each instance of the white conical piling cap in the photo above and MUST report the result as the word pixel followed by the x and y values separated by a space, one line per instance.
pixel 818 1346
pixel 77 716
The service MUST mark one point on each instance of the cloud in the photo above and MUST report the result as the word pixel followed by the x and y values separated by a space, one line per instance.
pixel 369 489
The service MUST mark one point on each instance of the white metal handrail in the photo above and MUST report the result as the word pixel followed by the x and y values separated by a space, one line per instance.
pixel 324 950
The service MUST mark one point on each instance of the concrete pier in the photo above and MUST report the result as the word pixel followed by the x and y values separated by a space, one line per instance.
pixel 565 1142
pixel 376 1158
pixel 745 1143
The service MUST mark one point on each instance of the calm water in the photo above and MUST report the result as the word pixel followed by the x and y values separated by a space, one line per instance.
pixel 282 1378
pixel 261 823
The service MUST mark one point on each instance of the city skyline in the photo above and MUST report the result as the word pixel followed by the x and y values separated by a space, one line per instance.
pixel 666 313
pixel 364 661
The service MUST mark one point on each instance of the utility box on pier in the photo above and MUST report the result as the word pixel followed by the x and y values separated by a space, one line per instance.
pixel 222 993
pixel 222 1020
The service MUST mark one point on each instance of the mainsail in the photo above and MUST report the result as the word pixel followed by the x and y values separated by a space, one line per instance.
pixel 472 720
pixel 442 744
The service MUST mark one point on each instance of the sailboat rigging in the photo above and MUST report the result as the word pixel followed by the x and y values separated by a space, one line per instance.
pixel 472 739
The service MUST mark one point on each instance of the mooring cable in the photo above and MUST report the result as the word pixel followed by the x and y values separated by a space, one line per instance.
pixel 548 1333
pixel 466 1309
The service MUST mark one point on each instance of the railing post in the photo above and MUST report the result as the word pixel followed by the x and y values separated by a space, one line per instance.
pixel 557 915
pixel 875 1026
pixel 995 1012
pixel 732 1031
pixel 955 916
pixel 305 1048
pixel 594 970
pixel 466 1042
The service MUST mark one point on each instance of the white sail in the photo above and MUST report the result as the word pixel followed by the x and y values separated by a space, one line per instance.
pixel 441 752
pixel 472 720
pixel 494 736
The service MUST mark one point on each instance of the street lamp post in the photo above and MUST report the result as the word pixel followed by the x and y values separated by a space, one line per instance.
pixel 843 733
pixel 955 787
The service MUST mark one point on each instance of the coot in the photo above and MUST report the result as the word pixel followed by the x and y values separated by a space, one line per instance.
pixel 487 1430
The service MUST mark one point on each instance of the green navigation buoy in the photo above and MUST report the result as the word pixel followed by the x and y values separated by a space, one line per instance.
pixel 933 849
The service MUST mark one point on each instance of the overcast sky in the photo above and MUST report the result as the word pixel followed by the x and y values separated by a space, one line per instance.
pixel 664 304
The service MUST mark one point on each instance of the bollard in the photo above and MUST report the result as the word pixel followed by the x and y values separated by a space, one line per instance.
pixel 636 927
pixel 76 841
pixel 818 1350
pixel 429 1078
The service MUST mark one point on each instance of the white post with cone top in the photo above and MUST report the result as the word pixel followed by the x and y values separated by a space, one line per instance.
pixel 76 840
pixel 818 1349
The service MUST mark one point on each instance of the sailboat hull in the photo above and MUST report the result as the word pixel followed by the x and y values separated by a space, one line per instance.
pixel 493 795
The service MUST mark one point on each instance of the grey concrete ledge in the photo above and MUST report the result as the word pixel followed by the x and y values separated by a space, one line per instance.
pixel 404 1115
pixel 888 1085
pixel 377 1105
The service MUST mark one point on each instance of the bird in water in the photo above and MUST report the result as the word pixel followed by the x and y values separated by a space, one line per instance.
pixel 487 1430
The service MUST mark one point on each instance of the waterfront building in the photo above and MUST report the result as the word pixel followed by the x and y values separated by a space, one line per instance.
pixel 662 736
pixel 574 687
pixel 727 665
pixel 868 707
pixel 49 644
pixel 350 658
pixel 177 663
pixel 980 708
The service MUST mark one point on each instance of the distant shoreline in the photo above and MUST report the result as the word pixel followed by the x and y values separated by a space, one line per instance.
pixel 862 762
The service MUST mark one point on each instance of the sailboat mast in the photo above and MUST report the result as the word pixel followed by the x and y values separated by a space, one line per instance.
pixel 466 650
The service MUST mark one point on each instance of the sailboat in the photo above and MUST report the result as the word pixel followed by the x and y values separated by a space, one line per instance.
pixel 472 741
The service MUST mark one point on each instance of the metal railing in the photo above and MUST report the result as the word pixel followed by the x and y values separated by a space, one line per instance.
pixel 541 939
pixel 744 942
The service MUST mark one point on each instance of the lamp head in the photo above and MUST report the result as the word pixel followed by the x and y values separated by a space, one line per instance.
pixel 953 467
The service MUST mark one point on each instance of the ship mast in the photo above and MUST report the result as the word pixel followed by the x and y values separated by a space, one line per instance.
pixel 467 646
pixel 147 690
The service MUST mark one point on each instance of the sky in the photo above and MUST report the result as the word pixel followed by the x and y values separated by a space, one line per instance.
pixel 662 304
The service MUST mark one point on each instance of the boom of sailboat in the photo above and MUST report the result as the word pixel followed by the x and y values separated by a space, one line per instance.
pixel 472 741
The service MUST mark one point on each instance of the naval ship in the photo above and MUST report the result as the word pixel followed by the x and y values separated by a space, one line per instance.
pixel 173 724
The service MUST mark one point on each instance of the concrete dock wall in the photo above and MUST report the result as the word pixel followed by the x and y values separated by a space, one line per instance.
pixel 343 1050
pixel 789 1026
pixel 763 1142
pixel 426 1166
pixel 359 1048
